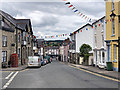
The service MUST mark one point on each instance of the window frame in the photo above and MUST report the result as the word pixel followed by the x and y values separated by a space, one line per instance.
pixel 103 40
pixel 4 56
pixel 113 26
pixel 19 37
pixel 95 41
pixel 18 53
pixel 103 57
pixel 113 4
pixel 100 57
pixel 3 36
pixel 115 52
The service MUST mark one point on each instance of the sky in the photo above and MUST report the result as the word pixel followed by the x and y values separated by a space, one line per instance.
pixel 54 18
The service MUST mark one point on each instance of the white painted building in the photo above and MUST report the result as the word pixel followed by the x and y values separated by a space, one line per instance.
pixel 84 35
pixel 99 43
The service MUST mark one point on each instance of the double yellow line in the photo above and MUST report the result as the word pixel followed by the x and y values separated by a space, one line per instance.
pixel 96 74
pixel 15 71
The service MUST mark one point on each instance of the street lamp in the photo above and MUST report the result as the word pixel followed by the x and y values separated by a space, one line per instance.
pixel 113 22
pixel 112 15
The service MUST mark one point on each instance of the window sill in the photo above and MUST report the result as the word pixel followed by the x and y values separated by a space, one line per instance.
pixel 4 46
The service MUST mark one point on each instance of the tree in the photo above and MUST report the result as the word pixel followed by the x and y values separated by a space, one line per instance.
pixel 84 51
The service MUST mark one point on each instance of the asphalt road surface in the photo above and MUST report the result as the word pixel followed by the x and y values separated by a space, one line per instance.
pixel 55 75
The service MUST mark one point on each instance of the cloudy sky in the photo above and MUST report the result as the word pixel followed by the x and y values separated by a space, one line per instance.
pixel 54 18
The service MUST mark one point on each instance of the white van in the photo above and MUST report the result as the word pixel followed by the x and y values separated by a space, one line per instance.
pixel 34 61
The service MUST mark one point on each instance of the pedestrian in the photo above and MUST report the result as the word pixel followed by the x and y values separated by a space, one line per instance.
pixel 9 63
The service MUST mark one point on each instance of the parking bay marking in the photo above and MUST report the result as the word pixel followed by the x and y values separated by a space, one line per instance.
pixel 96 74
pixel 11 79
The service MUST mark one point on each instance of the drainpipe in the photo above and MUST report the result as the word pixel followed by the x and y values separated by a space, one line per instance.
pixel 119 54
pixel 16 39
pixel 16 42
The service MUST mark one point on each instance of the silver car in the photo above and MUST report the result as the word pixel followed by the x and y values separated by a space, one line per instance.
pixel 34 61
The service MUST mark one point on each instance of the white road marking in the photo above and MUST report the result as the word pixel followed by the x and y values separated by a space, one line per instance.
pixel 8 83
pixel 9 75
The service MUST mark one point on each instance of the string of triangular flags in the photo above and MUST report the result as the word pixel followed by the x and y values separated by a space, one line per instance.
pixel 81 30
pixel 82 15
pixel 49 44
pixel 108 20
pixel 61 35
pixel 26 35
pixel 66 35
pixel 53 36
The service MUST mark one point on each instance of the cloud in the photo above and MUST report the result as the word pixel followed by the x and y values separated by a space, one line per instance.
pixel 51 18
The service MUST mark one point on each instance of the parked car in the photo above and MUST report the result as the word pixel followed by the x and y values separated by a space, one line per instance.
pixel 34 61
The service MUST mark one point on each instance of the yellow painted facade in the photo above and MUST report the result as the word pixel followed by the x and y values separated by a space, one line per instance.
pixel 112 39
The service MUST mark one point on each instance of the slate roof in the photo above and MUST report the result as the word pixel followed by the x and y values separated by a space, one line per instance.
pixel 19 23
pixel 24 23
pixel 8 17
pixel 7 29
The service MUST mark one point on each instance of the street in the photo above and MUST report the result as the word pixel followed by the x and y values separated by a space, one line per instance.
pixel 54 75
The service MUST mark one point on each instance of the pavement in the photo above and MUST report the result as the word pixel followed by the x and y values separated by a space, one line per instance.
pixel 22 67
pixel 112 74
pixel 55 75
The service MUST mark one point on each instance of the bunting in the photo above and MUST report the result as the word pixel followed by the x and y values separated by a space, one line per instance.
pixel 70 6
pixel 75 10
pixel 108 20
pixel 55 36
pixel 79 13
pixel 63 35
pixel 67 3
